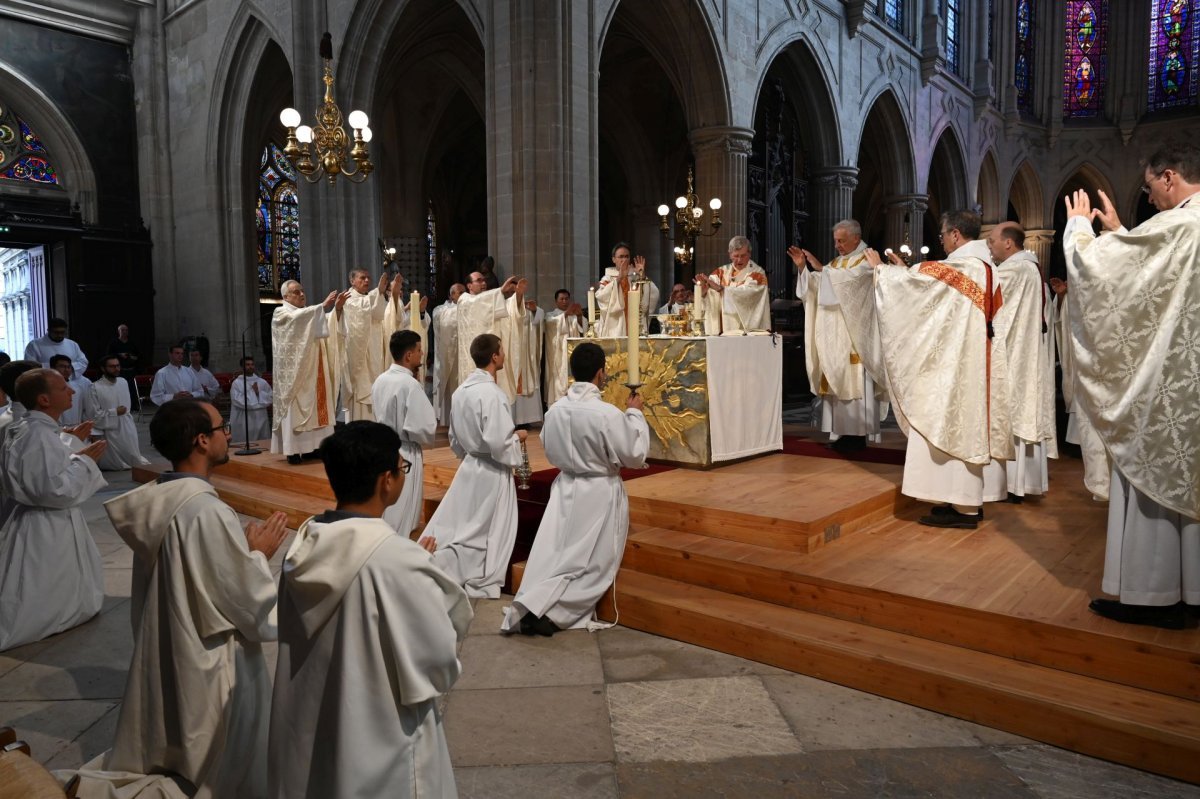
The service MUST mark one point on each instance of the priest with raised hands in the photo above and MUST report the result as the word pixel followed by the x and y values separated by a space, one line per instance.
pixel 51 577
pixel 108 406
pixel 527 405
pixel 1028 340
pixel 369 630
pixel 398 316
pixel 475 526
pixel 307 371
pixel 735 296
pixel 445 352
pixel 612 293
pixel 195 715
pixel 400 403
pixel 500 312
pixel 851 404
pixel 361 318
pixel 564 321
pixel 581 538
pixel 1135 295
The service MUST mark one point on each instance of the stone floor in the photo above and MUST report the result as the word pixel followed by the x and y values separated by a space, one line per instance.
pixel 618 713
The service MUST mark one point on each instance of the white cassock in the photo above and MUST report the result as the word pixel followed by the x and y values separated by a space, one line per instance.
pixel 119 431
pixel 527 406
pixel 851 397
pixel 476 523
pixel 307 353
pixel 362 325
pixel 611 296
pixel 670 308
pixel 744 305
pixel 197 697
pixel 1020 320
pixel 581 538
pixel 79 402
pixel 1097 468
pixel 445 358
pixel 925 328
pixel 400 403
pixel 558 328
pixel 1135 296
pixel 42 349
pixel 490 312
pixel 207 382
pixel 368 639
pixel 170 380
pixel 51 578
pixel 15 413
pixel 255 407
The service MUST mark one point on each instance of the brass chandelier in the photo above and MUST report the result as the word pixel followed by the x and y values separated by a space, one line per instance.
pixel 328 135
pixel 689 218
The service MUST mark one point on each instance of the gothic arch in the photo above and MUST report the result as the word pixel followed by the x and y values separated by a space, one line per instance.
pixel 987 191
pixel 76 174
pixel 1025 196
pixel 946 181
pixel 805 79
pixel 886 166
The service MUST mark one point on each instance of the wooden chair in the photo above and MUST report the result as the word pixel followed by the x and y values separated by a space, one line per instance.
pixel 22 777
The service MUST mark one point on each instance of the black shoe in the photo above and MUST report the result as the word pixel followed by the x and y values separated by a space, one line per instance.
pixel 849 444
pixel 1168 617
pixel 1015 499
pixel 939 510
pixel 527 622
pixel 946 516
pixel 311 456
pixel 294 460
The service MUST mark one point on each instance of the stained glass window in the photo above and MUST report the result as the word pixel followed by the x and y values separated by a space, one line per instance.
pixel 276 222
pixel 892 12
pixel 1023 69
pixel 1174 53
pixel 953 23
pixel 1085 67
pixel 23 156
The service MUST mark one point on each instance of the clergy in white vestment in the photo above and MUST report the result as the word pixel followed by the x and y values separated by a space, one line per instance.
pixel 108 406
pixel 475 526
pixel 204 378
pixel 398 316
pixel 1097 468
pixel 51 578
pixel 79 384
pixel 735 296
pixel 400 403
pixel 1135 297
pixel 362 325
pixel 306 346
pixel 249 400
pixel 675 303
pixel 562 323
pixel 581 538
pixel 1028 337
pixel 527 405
pixel 445 352
pixel 368 640
pixel 175 381
pixel 55 342
pixel 946 374
pixel 500 312
pixel 195 715
pixel 852 404
pixel 612 293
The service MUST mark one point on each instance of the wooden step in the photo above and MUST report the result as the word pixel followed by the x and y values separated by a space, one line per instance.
pixel 1128 725
pixel 779 578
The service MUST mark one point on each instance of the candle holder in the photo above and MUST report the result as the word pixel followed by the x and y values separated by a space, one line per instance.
pixel 591 330
pixel 633 388
pixel 524 471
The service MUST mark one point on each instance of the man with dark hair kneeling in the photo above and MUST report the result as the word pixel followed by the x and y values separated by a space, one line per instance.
pixel 368 635
pixel 581 539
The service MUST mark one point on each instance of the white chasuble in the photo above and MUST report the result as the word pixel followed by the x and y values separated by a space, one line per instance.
pixel 445 358
pixel 1097 467
pixel 307 349
pixel 1135 327
pixel 559 327
pixel 400 403
pixel 527 406
pixel 362 324
pixel 478 314
pixel 612 294
pixel 476 523
pixel 103 401
pixel 368 638
pixel 744 305
pixel 581 538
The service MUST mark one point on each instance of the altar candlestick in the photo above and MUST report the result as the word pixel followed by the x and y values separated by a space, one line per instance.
pixel 634 312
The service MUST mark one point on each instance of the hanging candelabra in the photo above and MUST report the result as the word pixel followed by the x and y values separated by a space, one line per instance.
pixel 689 221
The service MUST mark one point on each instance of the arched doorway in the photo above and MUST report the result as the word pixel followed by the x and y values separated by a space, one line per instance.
pixel 885 175
pixel 946 187
pixel 1090 179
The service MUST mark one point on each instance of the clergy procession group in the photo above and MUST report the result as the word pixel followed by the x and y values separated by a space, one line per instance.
pixel 368 620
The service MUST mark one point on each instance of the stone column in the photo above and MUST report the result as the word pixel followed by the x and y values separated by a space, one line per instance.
pixel 904 214
pixel 832 193
pixel 721 154
pixel 1040 243
pixel 541 118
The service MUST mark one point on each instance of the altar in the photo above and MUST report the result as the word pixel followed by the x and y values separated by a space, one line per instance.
pixel 708 399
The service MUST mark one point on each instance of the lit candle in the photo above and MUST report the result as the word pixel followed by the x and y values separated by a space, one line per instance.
pixel 634 317
pixel 414 312
pixel 591 306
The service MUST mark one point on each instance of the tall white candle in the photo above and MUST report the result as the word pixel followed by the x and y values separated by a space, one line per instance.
pixel 414 312
pixel 591 306
pixel 633 320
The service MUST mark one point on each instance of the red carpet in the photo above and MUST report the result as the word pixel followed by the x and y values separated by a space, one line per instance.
pixel 793 445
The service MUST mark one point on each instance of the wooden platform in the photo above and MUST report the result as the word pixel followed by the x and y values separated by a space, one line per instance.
pixel 818 566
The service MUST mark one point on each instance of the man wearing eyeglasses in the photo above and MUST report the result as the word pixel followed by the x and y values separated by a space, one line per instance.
pixel 1135 310
pixel 202 605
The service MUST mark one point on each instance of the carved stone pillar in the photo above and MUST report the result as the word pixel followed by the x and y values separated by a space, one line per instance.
pixel 832 193
pixel 1040 243
pixel 905 213
pixel 721 155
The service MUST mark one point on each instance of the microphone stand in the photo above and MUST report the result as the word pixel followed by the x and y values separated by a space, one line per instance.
pixel 248 448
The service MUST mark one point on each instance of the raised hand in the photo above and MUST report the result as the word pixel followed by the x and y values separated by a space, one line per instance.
pixel 1058 286
pixel 340 302
pixel 1107 214
pixel 639 264
pixel 509 287
pixel 424 304
pixel 873 258
pixel 84 429
pixel 1079 204
pixel 522 286
pixel 267 537
pixel 329 301
pixel 383 281
pixel 94 450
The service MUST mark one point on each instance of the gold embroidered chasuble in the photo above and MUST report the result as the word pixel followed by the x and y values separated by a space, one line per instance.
pixel 490 312
pixel 306 368
pixel 1020 320
pixel 362 323
pixel 1135 327
pixel 744 305
pixel 833 362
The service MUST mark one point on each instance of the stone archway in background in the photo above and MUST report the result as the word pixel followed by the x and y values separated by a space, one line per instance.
pixel 883 202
